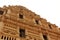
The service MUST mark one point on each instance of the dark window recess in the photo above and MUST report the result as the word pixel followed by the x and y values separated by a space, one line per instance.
pixel 5 38
pixel 34 39
pixel 37 22
pixel 22 33
pixel 20 16
pixel 45 37
pixel 15 38
pixel 10 38
pixel 1 12
pixel 50 27
pixel 2 37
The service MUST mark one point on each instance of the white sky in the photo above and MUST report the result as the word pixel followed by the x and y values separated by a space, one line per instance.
pixel 48 9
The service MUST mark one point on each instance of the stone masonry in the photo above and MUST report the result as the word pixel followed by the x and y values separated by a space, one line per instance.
pixel 19 23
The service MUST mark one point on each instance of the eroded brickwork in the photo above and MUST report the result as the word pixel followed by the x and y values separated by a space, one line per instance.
pixel 19 23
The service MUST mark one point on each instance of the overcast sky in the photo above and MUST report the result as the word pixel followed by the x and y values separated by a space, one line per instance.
pixel 48 9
